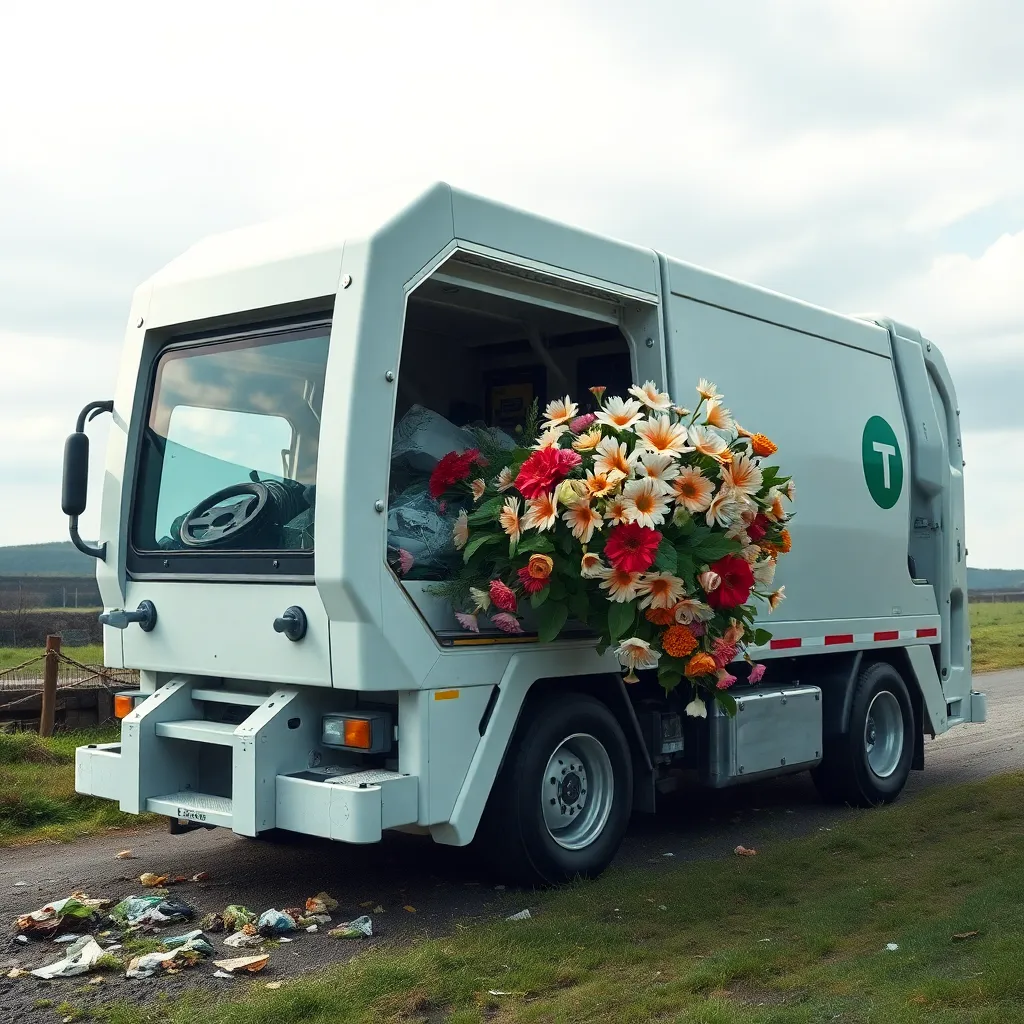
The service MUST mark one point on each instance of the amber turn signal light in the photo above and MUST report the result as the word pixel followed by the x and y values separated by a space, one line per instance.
pixel 124 703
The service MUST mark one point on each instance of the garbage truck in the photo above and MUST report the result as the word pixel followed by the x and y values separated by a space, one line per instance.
pixel 268 555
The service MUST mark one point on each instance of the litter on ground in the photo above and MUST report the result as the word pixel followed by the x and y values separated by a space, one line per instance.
pixel 523 915
pixel 742 851
pixel 243 940
pixel 139 911
pixel 126 855
pixel 221 974
pixel 150 880
pixel 81 958
pixel 361 927
pixel 236 917
pixel 243 963
pixel 55 917
pixel 275 922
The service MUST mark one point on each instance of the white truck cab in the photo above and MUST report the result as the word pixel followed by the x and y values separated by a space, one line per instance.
pixel 268 558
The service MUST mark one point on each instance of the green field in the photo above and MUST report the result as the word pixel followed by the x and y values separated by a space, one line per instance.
pixel 37 790
pixel 997 636
pixel 12 656
pixel 795 935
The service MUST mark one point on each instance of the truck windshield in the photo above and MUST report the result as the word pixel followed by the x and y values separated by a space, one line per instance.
pixel 229 451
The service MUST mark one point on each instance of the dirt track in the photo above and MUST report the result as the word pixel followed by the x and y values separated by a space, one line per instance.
pixel 444 885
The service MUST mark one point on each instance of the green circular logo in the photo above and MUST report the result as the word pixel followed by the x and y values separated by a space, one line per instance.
pixel 883 462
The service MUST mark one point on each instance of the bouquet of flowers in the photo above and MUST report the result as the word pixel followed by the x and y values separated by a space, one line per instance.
pixel 656 527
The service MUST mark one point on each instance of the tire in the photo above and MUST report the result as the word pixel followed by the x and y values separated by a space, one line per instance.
pixel 869 764
pixel 532 831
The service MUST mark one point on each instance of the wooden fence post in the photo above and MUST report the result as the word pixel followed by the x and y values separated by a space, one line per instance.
pixel 49 702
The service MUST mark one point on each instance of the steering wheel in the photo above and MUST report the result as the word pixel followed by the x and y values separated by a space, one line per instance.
pixel 211 523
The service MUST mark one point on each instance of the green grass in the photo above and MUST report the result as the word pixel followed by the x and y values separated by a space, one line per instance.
pixel 795 935
pixel 12 656
pixel 997 636
pixel 37 789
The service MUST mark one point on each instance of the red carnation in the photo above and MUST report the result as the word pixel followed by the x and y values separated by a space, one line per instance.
pixel 758 528
pixel 737 582
pixel 503 597
pixel 450 470
pixel 545 468
pixel 530 584
pixel 631 548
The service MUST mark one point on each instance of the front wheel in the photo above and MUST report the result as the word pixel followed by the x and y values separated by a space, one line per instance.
pixel 562 801
pixel 869 764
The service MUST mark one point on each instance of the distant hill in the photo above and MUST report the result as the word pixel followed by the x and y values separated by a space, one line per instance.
pixel 60 558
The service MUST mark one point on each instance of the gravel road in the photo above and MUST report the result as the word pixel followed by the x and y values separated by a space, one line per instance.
pixel 424 889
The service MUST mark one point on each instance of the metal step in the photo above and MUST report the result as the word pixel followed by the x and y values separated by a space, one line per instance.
pixel 191 806
pixel 198 730
pixel 252 700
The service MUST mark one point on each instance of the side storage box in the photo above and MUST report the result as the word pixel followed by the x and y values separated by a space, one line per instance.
pixel 774 732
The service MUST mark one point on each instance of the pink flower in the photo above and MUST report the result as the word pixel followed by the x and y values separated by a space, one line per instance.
pixel 709 581
pixel 443 508
pixel 506 623
pixel 723 652
pixel 756 673
pixel 698 629
pixel 468 622
pixel 581 423
pixel 725 680
pixel 405 561
pixel 502 596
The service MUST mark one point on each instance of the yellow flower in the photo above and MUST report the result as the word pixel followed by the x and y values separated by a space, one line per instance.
pixel 561 410
pixel 589 441
pixel 583 520
pixel 660 434
pixel 541 513
pixel 509 519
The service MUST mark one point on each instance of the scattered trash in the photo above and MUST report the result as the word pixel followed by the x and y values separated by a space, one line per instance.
pixel 668 855
pixel 80 959
pixel 48 921
pixel 237 917
pixel 138 911
pixel 379 909
pixel 285 939
pixel 146 966
pixel 149 880
pixel 495 992
pixel 194 941
pixel 523 915
pixel 19 885
pixel 411 910
pixel 221 974
pixel 273 984
pixel 661 906
pixel 742 851
pixel 116 946
pixel 125 855
pixel 361 927
pixel 321 903
pixel 499 888
pixel 764 940
pixel 243 963
pixel 16 972
pixel 23 939
pixel 275 922
pixel 243 940
pixel 98 980
pixel 68 937
pixel 308 919
pixel 892 947
pixel 201 876
pixel 313 928
pixel 961 936
pixel 212 923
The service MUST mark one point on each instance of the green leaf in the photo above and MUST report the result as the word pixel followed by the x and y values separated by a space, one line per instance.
pixel 684 523
pixel 579 605
pixel 566 542
pixel 536 600
pixel 715 547
pixel 726 701
pixel 669 677
pixel 685 565
pixel 762 637
pixel 620 619
pixel 557 588
pixel 477 542
pixel 665 559
pixel 551 617
pixel 487 512
pixel 536 542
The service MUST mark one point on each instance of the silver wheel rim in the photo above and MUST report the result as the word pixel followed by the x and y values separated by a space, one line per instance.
pixel 883 734
pixel 577 791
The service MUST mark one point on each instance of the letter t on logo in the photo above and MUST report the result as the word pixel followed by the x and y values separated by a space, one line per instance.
pixel 887 451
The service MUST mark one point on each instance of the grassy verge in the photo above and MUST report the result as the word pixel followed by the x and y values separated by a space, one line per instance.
pixel 37 789
pixel 797 934
pixel 997 636
pixel 12 656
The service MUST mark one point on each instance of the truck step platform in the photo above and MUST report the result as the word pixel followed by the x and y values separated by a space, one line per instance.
pixel 192 806
pixel 198 730
pixel 240 697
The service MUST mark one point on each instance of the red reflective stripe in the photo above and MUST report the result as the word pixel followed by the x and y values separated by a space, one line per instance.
pixel 839 638
pixel 927 632
pixel 785 645
pixel 893 635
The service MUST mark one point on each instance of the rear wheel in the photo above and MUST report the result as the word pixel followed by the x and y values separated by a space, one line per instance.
pixel 869 764
pixel 561 804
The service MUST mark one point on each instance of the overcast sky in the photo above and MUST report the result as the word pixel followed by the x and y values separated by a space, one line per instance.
pixel 866 156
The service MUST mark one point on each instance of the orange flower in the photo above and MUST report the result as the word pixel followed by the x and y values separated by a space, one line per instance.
pixel 769 548
pixel 762 445
pixel 540 566
pixel 701 665
pixel 785 542
pixel 678 641
pixel 660 616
